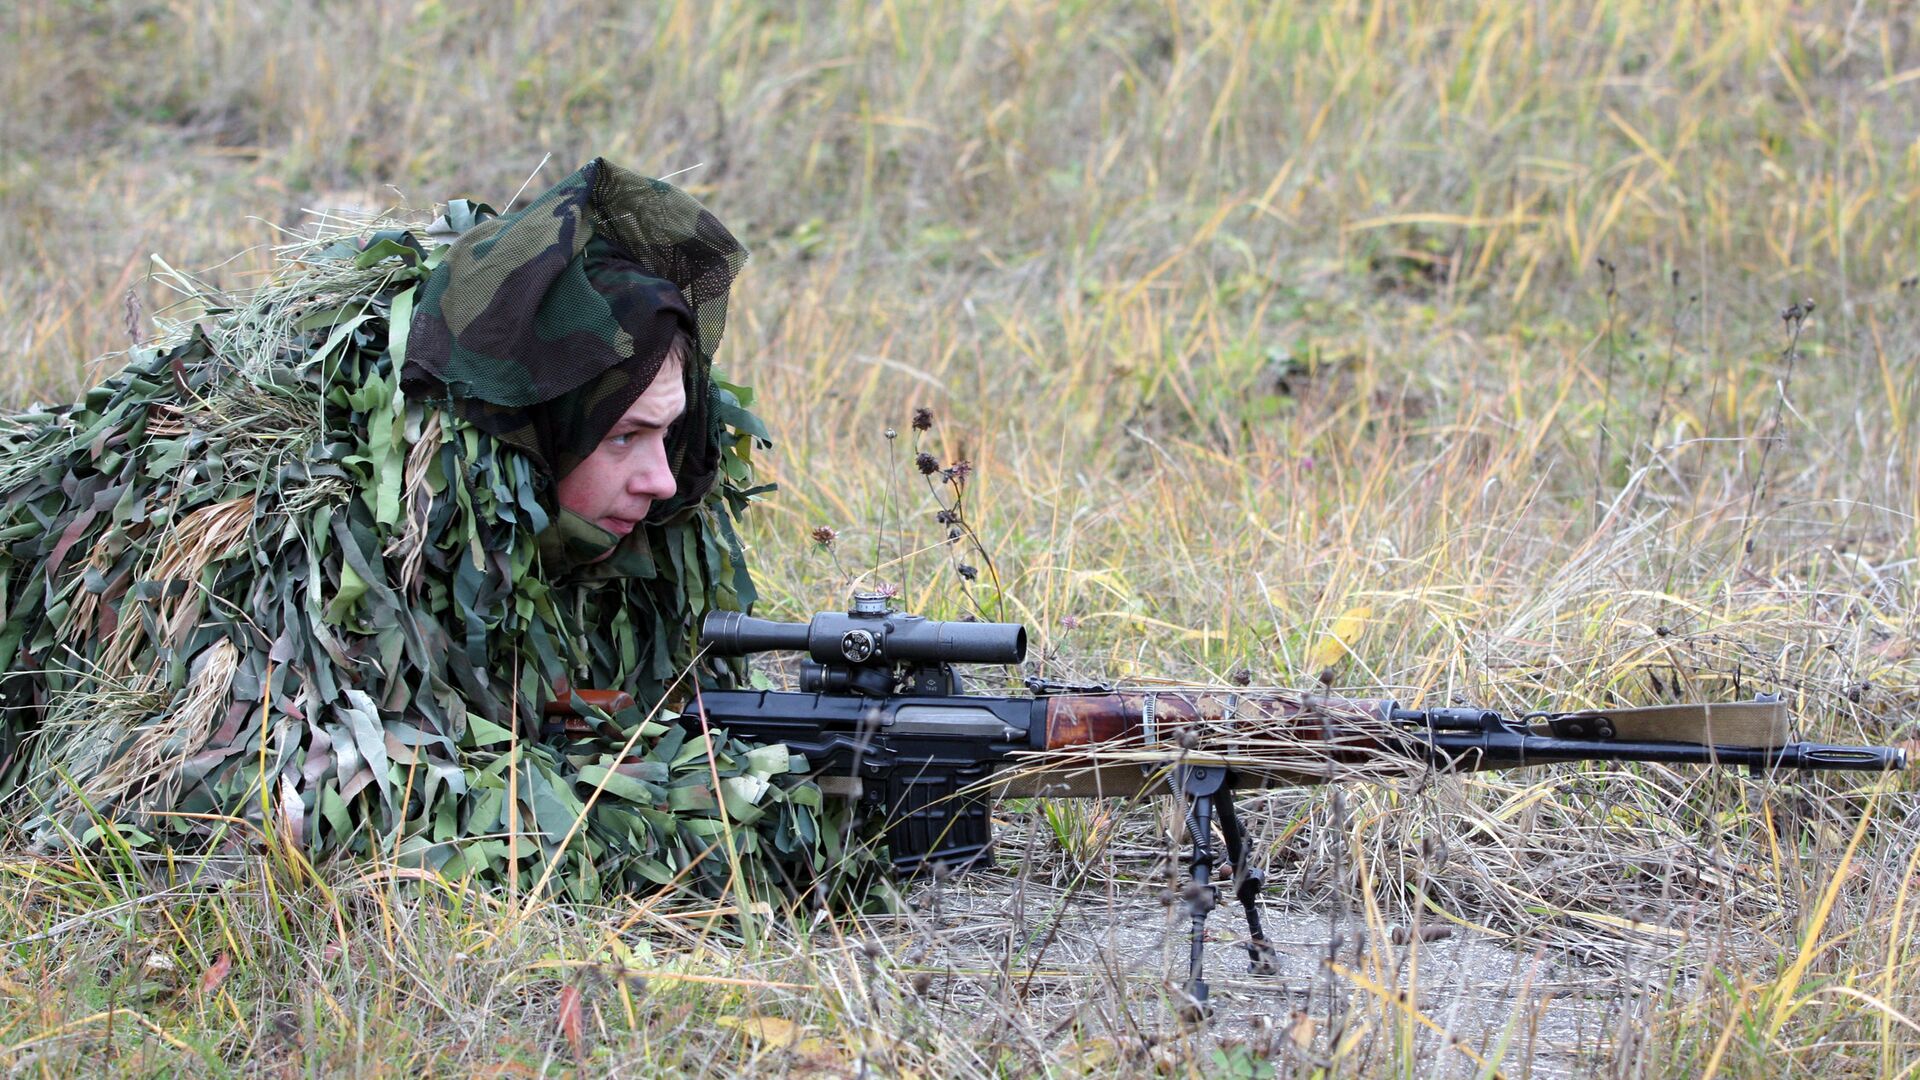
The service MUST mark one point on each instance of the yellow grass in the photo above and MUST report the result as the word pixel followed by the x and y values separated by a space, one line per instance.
pixel 1438 345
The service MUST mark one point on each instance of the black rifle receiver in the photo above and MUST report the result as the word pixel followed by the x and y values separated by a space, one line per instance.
pixel 882 717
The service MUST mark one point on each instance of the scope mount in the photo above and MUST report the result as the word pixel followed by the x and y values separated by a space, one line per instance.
pixel 865 671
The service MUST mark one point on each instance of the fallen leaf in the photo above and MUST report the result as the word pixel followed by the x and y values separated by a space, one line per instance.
pixel 571 1021
pixel 772 1032
pixel 211 979
pixel 1096 1053
pixel 1340 640
pixel 1301 1031
pixel 818 1060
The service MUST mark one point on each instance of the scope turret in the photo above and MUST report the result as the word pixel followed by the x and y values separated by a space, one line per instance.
pixel 867 639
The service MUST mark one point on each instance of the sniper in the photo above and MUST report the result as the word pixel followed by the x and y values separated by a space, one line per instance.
pixel 314 569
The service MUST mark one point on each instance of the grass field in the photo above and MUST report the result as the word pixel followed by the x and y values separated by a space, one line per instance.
pixel 1525 353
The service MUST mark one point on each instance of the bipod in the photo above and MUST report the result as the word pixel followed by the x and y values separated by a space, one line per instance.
pixel 1208 792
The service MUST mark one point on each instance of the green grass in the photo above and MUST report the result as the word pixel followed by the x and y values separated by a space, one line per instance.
pixel 1248 316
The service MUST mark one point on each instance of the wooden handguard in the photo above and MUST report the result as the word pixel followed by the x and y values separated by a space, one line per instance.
pixel 1109 725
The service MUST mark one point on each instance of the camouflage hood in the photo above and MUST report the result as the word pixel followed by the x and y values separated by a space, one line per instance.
pixel 543 326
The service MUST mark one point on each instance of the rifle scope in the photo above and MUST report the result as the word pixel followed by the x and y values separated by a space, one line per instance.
pixel 867 638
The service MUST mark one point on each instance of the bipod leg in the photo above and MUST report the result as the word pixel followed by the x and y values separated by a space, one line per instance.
pixel 1198 785
pixel 1247 883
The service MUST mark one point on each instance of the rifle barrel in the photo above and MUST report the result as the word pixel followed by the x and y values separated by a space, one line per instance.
pixel 1544 749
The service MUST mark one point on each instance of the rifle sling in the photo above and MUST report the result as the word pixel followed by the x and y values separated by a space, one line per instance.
pixel 1732 723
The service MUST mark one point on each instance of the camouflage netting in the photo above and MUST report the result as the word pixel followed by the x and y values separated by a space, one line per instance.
pixel 251 585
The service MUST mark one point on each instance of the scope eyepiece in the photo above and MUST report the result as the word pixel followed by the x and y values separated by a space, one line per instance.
pixel 731 633
pixel 839 638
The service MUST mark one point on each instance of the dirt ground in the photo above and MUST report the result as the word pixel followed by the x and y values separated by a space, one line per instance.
pixel 1103 966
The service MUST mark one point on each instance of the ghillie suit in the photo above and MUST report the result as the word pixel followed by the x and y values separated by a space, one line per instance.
pixel 298 570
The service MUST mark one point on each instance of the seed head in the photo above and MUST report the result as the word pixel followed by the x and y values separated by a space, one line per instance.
pixel 824 536
pixel 968 571
pixel 927 464
pixel 922 418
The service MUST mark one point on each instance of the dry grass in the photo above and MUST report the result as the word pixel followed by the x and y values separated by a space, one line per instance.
pixel 1460 320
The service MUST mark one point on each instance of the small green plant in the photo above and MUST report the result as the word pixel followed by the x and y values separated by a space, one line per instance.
pixel 1239 1062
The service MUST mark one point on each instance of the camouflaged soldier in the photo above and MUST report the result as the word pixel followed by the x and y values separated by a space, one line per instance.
pixel 319 565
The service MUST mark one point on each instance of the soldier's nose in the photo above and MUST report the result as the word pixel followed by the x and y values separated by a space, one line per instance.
pixel 654 478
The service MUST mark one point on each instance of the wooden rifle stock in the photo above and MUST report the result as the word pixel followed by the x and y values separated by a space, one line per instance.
pixel 568 709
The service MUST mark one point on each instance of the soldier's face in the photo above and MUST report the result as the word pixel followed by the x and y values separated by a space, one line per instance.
pixel 618 483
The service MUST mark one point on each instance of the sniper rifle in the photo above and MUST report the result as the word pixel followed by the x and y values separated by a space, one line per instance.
pixel 882 718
